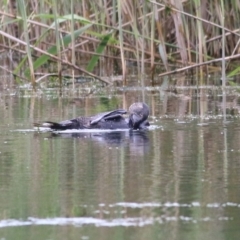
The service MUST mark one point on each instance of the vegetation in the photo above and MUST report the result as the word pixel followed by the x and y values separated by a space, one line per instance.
pixel 102 38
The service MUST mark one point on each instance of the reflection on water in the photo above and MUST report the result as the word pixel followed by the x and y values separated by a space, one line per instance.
pixel 137 141
pixel 178 180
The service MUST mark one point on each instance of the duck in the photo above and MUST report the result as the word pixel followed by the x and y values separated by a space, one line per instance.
pixel 138 119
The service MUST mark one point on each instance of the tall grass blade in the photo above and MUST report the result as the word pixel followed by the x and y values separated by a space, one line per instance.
pixel 161 47
pixel 235 72
pixel 92 63
pixel 144 33
pixel 58 46
pixel 223 49
pixel 152 46
pixel 179 27
pixel 53 50
pixel 69 17
pixel 121 41
pixel 73 40
pixel 163 55
pixel 28 50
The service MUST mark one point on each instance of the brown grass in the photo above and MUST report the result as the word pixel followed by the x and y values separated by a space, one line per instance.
pixel 174 36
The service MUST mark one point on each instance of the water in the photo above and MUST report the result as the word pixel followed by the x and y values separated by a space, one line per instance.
pixel 178 180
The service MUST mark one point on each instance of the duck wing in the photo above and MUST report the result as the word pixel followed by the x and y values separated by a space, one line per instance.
pixel 107 116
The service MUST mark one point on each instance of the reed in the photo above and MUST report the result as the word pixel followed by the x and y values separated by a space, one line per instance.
pixel 27 40
pixel 73 40
pixel 223 49
pixel 99 38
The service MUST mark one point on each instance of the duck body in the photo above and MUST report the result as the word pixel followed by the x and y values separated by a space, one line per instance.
pixel 138 114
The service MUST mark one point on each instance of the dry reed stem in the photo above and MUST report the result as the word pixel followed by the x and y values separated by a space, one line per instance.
pixel 199 65
pixel 14 74
pixel 121 43
pixel 197 18
pixel 53 57
pixel 180 32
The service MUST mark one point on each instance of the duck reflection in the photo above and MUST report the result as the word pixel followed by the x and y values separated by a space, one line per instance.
pixel 136 141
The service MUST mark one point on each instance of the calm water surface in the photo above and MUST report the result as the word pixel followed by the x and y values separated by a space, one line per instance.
pixel 178 180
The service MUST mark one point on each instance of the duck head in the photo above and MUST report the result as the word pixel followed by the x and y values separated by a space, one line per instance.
pixel 138 115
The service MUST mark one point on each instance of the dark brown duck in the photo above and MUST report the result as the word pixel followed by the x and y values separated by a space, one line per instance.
pixel 138 115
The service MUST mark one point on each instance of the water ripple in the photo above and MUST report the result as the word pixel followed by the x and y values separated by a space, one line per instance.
pixel 125 222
